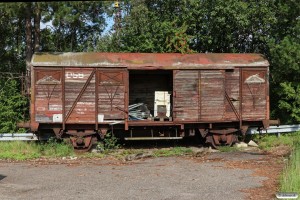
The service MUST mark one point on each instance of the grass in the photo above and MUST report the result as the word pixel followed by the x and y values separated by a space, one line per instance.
pixel 54 148
pixel 228 149
pixel 20 150
pixel 175 151
pixel 290 179
pixel 268 141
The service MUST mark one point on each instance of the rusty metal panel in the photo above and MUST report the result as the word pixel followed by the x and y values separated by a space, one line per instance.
pixel 254 94
pixel 232 80
pixel 149 61
pixel 79 95
pixel 212 94
pixel 186 95
pixel 112 93
pixel 47 97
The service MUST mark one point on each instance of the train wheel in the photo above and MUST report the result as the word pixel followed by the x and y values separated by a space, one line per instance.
pixel 210 141
pixel 81 144
pixel 230 139
pixel 216 140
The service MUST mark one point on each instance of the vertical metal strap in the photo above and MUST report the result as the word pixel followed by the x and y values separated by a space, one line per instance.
pixel 63 98
pixel 241 97
pixel 96 99
pixel 199 96
pixel 126 98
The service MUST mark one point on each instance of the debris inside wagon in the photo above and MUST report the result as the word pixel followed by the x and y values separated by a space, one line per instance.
pixel 138 111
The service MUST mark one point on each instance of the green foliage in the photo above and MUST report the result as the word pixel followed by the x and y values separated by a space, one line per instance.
pixel 152 26
pixel 110 142
pixel 178 40
pixel 290 179
pixel 285 73
pixel 20 150
pixel 200 26
pixel 76 26
pixel 268 141
pixel 56 148
pixel 13 106
pixel 176 151
pixel 107 43
pixel 233 26
pixel 11 48
pixel 228 149
pixel 290 101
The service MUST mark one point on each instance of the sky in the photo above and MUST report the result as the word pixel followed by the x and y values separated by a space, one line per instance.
pixel 109 21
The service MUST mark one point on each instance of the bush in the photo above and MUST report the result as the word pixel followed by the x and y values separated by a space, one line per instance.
pixel 13 106
pixel 109 142
pixel 56 148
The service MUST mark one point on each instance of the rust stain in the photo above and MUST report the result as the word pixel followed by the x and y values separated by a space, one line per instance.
pixel 149 60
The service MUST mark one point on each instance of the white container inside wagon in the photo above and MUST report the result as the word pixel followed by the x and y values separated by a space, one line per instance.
pixel 162 103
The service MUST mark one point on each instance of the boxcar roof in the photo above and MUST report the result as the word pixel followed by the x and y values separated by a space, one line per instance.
pixel 150 60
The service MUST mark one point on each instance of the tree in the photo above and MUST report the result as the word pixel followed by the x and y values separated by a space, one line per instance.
pixel 13 105
pixel 200 26
pixel 76 26
pixel 153 26
pixel 285 56
pixel 270 27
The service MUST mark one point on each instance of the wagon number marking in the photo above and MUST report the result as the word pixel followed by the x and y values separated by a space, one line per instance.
pixel 74 75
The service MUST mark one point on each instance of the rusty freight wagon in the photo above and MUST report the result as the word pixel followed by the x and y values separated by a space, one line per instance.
pixel 81 96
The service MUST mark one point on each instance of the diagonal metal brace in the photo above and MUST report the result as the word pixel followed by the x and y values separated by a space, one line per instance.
pixel 232 106
pixel 80 94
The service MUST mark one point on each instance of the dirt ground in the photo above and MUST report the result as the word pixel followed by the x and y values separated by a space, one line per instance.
pixel 247 174
pixel 270 165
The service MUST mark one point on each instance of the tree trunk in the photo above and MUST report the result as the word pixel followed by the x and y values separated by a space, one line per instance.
pixel 28 32
pixel 37 29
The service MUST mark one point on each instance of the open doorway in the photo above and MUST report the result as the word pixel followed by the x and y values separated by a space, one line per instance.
pixel 150 95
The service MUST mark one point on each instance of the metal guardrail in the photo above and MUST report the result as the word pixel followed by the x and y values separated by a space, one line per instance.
pixel 18 136
pixel 275 129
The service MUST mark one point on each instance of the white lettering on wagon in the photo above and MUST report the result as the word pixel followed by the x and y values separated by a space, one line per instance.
pixel 74 75
pixel 254 79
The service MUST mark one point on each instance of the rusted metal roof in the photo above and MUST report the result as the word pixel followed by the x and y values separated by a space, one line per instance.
pixel 150 60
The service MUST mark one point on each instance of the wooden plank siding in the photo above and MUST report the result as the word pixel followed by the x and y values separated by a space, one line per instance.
pixel 232 86
pixel 112 91
pixel 186 95
pixel 254 94
pixel 49 99
pixel 212 95
pixel 198 95
pixel 84 110
pixel 48 94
